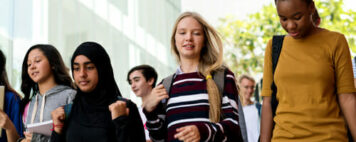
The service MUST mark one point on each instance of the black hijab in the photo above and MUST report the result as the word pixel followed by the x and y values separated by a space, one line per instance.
pixel 92 107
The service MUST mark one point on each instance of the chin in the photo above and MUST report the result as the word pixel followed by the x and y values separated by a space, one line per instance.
pixel 85 89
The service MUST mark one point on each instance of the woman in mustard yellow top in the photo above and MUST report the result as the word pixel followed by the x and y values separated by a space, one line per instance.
pixel 314 81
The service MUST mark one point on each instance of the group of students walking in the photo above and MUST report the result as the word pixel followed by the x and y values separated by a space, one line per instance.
pixel 316 100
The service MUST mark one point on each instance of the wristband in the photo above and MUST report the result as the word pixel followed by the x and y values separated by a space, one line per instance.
pixel 58 126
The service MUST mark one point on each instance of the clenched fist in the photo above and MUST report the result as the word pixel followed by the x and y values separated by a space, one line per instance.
pixel 118 108
pixel 58 117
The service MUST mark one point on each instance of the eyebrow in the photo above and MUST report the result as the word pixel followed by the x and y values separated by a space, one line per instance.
pixel 195 29
pixel 37 56
pixel 297 13
pixel 85 63
pixel 136 77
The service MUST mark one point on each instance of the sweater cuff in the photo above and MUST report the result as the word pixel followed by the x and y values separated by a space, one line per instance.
pixel 151 115
pixel 120 121
pixel 204 131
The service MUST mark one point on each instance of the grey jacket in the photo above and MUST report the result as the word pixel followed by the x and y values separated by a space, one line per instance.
pixel 57 96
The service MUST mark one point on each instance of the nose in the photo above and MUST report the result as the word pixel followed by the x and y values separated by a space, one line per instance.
pixel 291 25
pixel 250 90
pixel 133 86
pixel 188 37
pixel 83 73
pixel 31 67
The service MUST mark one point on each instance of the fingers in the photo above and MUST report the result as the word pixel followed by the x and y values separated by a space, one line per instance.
pixel 117 105
pixel 58 115
pixel 159 89
pixel 118 108
pixel 160 86
pixel 188 134
pixel 28 135
pixel 182 133
pixel 158 93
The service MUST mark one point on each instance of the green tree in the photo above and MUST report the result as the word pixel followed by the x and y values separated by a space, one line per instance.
pixel 245 40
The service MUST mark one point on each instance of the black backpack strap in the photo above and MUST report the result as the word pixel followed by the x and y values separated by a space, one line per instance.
pixel 277 44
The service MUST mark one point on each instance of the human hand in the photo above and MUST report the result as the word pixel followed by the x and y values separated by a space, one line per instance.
pixel 118 108
pixel 28 137
pixel 188 133
pixel 58 117
pixel 5 122
pixel 157 94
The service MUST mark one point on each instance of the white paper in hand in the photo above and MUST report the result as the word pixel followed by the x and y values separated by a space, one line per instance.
pixel 44 128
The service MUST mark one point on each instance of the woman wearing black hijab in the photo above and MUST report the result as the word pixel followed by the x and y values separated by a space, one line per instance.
pixel 99 113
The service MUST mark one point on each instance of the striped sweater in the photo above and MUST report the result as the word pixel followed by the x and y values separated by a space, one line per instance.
pixel 188 104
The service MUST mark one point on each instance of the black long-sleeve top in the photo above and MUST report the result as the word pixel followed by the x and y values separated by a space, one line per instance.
pixel 122 129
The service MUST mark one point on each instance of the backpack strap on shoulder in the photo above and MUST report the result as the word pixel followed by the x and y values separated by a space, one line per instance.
pixel 219 79
pixel 277 44
pixel 167 82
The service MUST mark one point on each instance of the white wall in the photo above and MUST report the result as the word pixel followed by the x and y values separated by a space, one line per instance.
pixel 133 32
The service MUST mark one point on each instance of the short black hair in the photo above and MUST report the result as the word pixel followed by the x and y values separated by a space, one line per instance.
pixel 147 71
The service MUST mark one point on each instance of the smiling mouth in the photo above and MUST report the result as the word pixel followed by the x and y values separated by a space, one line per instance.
pixel 83 83
pixel 34 74
pixel 293 34
pixel 188 46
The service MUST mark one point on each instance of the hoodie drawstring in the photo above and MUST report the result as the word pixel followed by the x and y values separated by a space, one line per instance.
pixel 35 108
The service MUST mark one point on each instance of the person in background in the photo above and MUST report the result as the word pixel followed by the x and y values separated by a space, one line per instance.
pixel 10 117
pixel 45 75
pixel 251 109
pixel 142 79
pixel 314 81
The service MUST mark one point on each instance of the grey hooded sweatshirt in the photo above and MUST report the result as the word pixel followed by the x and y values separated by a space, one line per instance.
pixel 57 96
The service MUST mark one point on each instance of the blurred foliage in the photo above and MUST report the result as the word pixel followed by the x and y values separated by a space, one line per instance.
pixel 245 40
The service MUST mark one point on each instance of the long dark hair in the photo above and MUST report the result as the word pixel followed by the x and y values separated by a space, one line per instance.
pixel 58 68
pixel 3 75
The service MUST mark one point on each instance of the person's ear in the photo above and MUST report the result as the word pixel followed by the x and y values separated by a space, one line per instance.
pixel 150 81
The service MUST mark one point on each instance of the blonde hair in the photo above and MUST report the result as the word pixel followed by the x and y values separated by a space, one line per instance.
pixel 211 59
pixel 248 77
